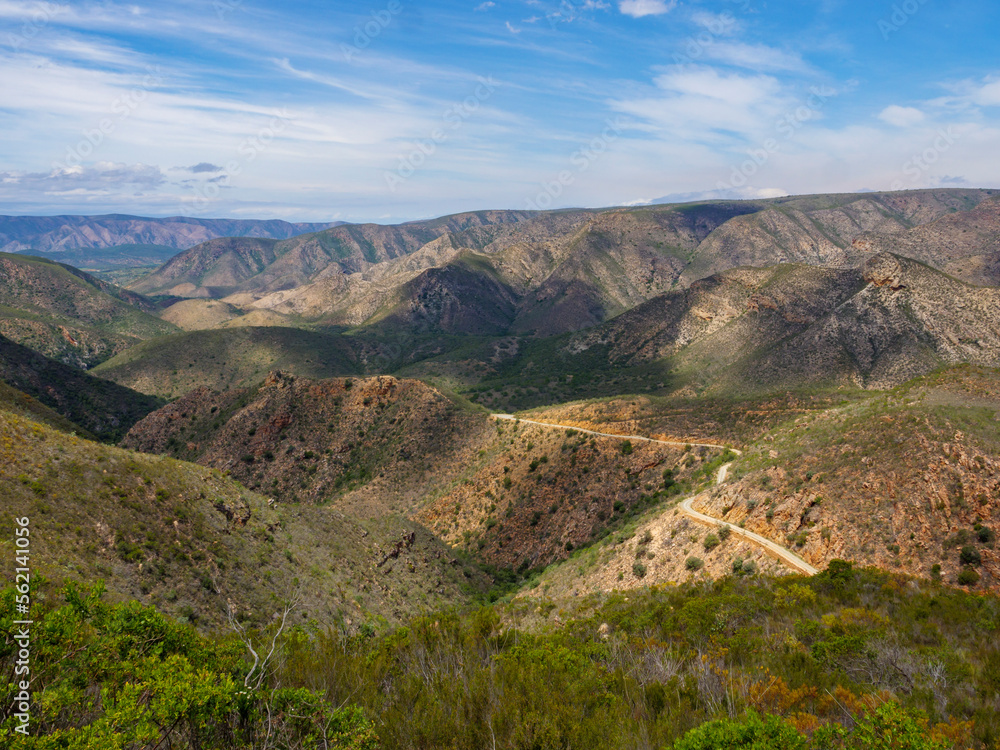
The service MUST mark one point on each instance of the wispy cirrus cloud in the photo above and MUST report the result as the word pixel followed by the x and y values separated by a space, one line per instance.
pixel 643 8
pixel 758 57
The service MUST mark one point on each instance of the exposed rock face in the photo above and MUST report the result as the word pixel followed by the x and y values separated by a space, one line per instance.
pixel 883 270
pixel 963 243
pixel 764 329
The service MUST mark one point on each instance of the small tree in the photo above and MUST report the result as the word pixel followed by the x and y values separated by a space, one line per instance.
pixel 968 577
pixel 970 556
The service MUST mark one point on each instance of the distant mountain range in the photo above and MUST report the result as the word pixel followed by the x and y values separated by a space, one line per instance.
pixel 78 239
pixel 545 273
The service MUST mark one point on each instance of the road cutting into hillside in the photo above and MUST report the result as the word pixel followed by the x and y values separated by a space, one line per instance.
pixel 782 553
pixel 680 443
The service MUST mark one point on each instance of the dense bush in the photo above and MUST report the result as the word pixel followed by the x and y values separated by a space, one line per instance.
pixel 845 660
pixel 124 676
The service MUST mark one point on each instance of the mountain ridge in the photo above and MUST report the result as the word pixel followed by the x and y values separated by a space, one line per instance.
pixel 72 232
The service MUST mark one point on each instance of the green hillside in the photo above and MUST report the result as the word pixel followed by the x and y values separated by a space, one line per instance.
pixel 69 315
pixel 97 406
pixel 238 357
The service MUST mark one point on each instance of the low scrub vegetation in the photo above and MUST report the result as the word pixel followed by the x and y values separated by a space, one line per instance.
pixel 846 659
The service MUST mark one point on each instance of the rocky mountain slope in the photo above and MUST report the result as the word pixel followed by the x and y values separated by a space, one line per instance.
pixel 65 233
pixel 98 406
pixel 963 244
pixel 223 267
pixel 193 542
pixel 908 481
pixel 515 496
pixel 69 315
pixel 542 273
pixel 903 480
pixel 762 330
pixel 368 447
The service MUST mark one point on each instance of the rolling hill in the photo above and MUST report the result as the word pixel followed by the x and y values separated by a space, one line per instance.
pixel 98 406
pixel 69 315
pixel 192 542
pixel 172 366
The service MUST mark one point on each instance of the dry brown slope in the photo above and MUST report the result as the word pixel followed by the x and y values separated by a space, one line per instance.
pixel 370 447
pixel 964 244
pixel 191 541
pixel 901 480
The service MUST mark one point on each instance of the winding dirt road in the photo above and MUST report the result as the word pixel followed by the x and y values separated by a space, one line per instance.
pixel 512 418
pixel 782 553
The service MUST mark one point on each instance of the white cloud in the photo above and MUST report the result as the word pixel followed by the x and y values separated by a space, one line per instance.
pixel 37 13
pixel 701 103
pixel 988 95
pixel 901 117
pixel 511 29
pixel 720 24
pixel 640 8
pixel 485 6
pixel 755 56
pixel 79 179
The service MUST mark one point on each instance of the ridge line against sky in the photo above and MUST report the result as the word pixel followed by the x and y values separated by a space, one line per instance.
pixel 399 110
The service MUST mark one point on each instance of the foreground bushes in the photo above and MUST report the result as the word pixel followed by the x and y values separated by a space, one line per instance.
pixel 844 660
pixel 123 676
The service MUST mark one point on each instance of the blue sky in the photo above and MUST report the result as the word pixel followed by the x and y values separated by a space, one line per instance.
pixel 394 109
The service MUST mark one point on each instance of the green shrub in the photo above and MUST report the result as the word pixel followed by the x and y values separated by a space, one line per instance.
pixel 968 577
pixel 710 542
pixel 638 569
pixel 749 733
pixel 970 556
pixel 694 563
